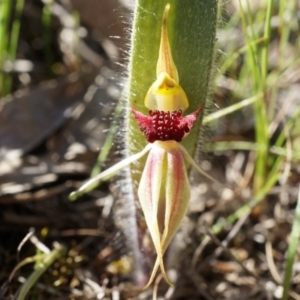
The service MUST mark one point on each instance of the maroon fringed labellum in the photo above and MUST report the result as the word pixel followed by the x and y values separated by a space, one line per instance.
pixel 165 125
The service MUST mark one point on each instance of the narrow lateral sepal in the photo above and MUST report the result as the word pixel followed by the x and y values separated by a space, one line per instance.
pixel 164 194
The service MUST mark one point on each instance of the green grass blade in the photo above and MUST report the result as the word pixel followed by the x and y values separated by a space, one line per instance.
pixel 292 251
pixel 248 146
pixel 259 84
pixel 102 157
pixel 265 50
pixel 251 24
pixel 27 260
pixel 108 143
pixel 251 50
pixel 287 19
pixel 286 8
pixel 230 109
pixel 42 267
pixel 5 10
pixel 245 209
pixel 47 34
pixel 228 62
pixel 13 43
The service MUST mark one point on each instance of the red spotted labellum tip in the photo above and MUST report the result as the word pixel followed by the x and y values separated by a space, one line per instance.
pixel 165 125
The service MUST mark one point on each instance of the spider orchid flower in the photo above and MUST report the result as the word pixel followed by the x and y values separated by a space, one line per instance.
pixel 164 189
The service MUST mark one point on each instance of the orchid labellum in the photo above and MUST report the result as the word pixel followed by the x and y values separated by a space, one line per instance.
pixel 164 189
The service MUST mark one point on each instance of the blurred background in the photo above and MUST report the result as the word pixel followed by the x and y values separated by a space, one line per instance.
pixel 63 69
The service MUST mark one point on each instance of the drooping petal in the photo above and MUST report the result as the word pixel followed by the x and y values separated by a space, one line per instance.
pixel 149 193
pixel 91 183
pixel 178 196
